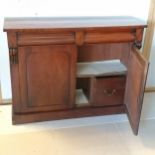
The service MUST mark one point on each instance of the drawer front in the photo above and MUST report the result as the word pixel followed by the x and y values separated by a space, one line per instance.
pixel 45 39
pixel 109 36
pixel 108 91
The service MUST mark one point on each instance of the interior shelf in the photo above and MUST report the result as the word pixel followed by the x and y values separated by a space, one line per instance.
pixel 100 68
pixel 81 99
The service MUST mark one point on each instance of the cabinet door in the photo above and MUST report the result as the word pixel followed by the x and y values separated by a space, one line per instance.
pixel 47 77
pixel 136 78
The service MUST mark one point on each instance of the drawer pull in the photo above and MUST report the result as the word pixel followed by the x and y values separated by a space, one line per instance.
pixel 109 92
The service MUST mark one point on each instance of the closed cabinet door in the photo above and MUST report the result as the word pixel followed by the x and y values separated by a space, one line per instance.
pixel 47 77
pixel 135 86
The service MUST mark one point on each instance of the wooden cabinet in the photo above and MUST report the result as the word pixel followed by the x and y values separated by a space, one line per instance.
pixel 76 67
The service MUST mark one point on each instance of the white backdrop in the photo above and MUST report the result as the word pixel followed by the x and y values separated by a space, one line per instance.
pixel 151 74
pixel 138 8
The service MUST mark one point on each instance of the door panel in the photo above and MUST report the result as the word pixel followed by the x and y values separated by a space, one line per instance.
pixel 47 77
pixel 136 78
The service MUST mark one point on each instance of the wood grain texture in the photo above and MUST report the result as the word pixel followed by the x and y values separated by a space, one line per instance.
pixel 107 91
pixel 64 114
pixel 104 51
pixel 134 93
pixel 47 77
pixel 102 37
pixel 86 30
pixel 79 37
pixel 45 38
pixel 33 23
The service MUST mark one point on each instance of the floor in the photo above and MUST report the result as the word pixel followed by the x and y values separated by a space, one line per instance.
pixel 104 135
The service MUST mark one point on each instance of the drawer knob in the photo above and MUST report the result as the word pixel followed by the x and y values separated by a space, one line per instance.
pixel 109 92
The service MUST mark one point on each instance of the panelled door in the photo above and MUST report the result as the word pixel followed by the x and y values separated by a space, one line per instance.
pixel 136 79
pixel 47 77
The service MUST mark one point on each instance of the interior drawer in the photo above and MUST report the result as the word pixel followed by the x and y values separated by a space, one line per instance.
pixel 107 91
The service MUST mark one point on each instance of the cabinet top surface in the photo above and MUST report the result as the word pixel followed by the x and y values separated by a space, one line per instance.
pixel 42 23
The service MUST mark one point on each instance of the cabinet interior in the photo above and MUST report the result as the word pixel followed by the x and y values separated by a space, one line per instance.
pixel 99 66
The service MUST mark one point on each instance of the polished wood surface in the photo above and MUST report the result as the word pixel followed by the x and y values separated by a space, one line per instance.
pixel 40 23
pixel 47 77
pixel 45 38
pixel 79 30
pixel 65 114
pixel 106 51
pixel 135 86
pixel 45 53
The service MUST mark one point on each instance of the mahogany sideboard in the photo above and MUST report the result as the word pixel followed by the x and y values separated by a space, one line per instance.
pixel 76 67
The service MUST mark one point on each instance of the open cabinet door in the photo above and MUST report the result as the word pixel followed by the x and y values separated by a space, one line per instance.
pixel 136 79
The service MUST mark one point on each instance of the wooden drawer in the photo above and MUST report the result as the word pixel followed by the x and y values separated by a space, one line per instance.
pixel 109 36
pixel 107 91
pixel 25 39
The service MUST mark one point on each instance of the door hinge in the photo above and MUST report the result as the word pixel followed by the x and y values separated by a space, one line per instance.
pixel 13 55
